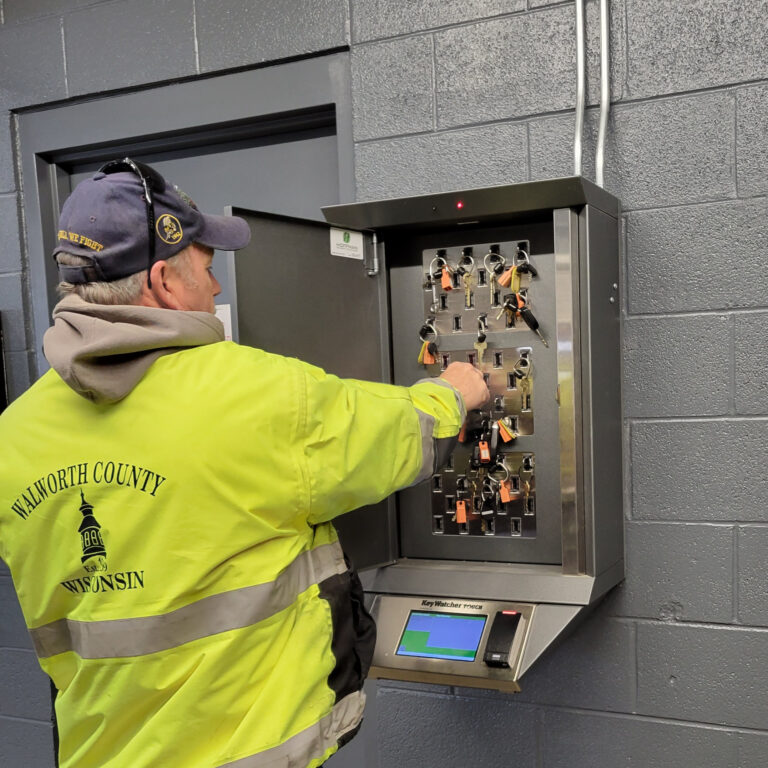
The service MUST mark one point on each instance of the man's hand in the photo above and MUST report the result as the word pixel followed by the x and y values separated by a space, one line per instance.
pixel 470 382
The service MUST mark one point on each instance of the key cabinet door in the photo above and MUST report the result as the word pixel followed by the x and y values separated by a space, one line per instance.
pixel 296 298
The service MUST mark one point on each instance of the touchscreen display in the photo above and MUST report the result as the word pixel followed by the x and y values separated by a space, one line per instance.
pixel 453 636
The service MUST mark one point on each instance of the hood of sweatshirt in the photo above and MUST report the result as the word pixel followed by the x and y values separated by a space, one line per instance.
pixel 103 351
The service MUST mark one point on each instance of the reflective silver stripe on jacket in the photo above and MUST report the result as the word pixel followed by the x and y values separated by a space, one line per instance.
pixel 436 450
pixel 311 743
pixel 238 608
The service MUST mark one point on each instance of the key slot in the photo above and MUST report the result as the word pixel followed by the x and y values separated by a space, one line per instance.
pixel 427 282
pixel 526 403
pixel 486 378
pixel 513 423
pixel 515 480
pixel 438 525
pixel 527 464
pixel 456 278
pixel 456 323
pixel 498 403
pixel 490 527
pixel 498 359
pixel 437 483
pixel 471 358
pixel 443 301
pixel 450 504
pixel 530 505
pixel 463 529
pixel 445 361
pixel 461 483
pixel 515 526
pixel 496 299
pixel 481 276
pixel 509 319
pixel 511 381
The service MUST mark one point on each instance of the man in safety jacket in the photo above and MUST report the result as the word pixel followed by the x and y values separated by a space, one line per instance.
pixel 166 498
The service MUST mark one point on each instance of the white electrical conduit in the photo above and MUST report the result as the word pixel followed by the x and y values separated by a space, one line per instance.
pixel 580 87
pixel 605 88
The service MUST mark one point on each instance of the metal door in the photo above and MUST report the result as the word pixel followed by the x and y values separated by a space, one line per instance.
pixel 294 297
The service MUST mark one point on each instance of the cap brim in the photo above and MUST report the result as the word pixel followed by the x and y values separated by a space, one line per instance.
pixel 227 233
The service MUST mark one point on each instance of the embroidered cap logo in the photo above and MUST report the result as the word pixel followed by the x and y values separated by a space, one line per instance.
pixel 169 229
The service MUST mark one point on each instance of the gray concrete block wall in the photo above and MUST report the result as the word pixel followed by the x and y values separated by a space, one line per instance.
pixel 445 95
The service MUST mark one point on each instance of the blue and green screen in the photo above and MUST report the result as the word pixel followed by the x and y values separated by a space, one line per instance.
pixel 451 636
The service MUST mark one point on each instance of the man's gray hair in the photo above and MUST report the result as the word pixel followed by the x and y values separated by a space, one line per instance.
pixel 127 290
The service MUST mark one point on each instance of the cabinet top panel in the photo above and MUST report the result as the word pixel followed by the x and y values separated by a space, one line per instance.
pixel 473 205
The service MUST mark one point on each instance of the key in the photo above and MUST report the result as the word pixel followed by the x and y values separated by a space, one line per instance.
pixel 480 345
pixel 488 507
pixel 494 437
pixel 524 386
pixel 435 301
pixel 467 279
pixel 507 307
pixel 532 323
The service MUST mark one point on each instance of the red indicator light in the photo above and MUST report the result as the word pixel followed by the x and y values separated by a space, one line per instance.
pixel 459 204
pixel 510 613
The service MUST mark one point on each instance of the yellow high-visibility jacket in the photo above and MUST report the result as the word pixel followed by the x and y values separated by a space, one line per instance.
pixel 174 559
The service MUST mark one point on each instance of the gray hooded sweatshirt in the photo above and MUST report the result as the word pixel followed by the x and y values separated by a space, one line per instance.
pixel 103 351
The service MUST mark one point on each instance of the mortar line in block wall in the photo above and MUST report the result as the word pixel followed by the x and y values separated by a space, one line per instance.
pixel 731 311
pixel 635 656
pixel 31 720
pixel 738 729
pixel 696 419
pixel 735 613
pixel 732 364
pixel 736 142
pixel 523 120
pixel 447 27
pixel 693 624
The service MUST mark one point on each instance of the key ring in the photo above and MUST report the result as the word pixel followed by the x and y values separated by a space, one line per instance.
pixel 497 260
pixel 496 467
pixel 522 368
pixel 443 264
pixel 426 329
pixel 467 259
pixel 525 258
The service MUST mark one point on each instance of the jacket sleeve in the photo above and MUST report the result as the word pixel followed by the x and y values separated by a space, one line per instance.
pixel 363 440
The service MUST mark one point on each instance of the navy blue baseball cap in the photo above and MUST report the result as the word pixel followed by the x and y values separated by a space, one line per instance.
pixel 108 218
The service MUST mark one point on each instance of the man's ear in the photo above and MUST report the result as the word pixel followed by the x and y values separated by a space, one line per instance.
pixel 164 281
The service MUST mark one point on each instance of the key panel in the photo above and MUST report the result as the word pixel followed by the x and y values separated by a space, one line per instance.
pixel 491 304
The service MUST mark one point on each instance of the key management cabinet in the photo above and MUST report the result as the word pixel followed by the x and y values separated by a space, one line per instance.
pixel 474 573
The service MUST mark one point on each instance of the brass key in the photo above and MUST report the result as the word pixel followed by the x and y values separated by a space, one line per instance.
pixel 524 385
pixel 480 345
pixel 468 279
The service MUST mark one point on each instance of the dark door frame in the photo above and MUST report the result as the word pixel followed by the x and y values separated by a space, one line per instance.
pixel 190 115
